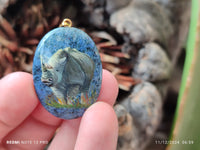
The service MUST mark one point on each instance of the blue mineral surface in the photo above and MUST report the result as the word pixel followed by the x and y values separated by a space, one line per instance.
pixel 67 72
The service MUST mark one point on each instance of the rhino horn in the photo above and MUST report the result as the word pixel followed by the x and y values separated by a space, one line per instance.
pixel 48 66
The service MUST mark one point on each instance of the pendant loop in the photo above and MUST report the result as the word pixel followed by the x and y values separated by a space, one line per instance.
pixel 66 23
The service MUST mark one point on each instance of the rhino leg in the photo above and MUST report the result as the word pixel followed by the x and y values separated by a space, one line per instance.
pixel 61 101
pixel 59 95
pixel 73 90
pixel 70 100
pixel 84 98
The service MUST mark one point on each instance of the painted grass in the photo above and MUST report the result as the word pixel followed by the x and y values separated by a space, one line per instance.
pixel 77 103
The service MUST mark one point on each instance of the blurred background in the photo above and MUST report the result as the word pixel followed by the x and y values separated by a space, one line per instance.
pixel 142 42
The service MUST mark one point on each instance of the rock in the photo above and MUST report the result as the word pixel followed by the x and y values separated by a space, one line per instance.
pixel 128 133
pixel 164 2
pixel 67 72
pixel 124 119
pixel 100 10
pixel 94 3
pixel 97 17
pixel 95 12
pixel 130 49
pixel 142 21
pixel 152 64
pixel 114 5
pixel 139 116
pixel 145 106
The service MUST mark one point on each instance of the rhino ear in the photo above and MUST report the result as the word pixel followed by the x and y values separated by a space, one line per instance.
pixel 67 49
pixel 62 60
pixel 45 66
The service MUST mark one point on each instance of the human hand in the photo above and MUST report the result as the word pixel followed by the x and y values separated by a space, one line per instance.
pixel 24 119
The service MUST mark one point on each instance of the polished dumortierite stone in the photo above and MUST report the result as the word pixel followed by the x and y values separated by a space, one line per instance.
pixel 67 72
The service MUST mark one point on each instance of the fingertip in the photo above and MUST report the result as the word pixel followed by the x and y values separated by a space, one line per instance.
pixel 100 109
pixel 109 88
pixel 100 124
pixel 67 132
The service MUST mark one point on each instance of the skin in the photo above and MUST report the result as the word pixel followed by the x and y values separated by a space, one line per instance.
pixel 23 118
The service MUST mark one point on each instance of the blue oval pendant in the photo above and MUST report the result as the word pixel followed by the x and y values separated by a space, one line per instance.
pixel 67 72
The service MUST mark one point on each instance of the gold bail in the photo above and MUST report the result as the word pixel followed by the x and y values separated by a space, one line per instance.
pixel 66 23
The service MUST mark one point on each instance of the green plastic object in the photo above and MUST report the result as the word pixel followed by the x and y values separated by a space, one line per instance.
pixel 186 131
